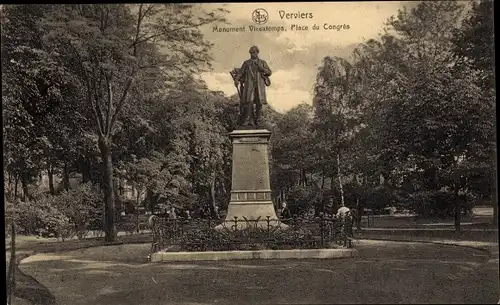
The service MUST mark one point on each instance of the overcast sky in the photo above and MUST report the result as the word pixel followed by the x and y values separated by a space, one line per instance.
pixel 293 56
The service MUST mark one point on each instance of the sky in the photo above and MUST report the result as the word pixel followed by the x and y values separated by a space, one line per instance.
pixel 293 55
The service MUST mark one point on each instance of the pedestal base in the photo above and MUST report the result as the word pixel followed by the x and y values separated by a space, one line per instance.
pixel 250 190
pixel 251 215
pixel 251 210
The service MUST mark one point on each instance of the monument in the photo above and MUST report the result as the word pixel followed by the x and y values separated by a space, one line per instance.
pixel 251 188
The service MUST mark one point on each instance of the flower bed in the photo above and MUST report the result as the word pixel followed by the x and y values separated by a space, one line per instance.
pixel 200 234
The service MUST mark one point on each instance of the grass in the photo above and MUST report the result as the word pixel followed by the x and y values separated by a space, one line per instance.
pixel 121 272
pixel 27 287
pixel 386 221
pixel 384 272
pixel 34 244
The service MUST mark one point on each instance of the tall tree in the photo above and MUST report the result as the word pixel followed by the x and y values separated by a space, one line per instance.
pixel 33 92
pixel 429 114
pixel 474 45
pixel 335 117
pixel 293 153
pixel 109 47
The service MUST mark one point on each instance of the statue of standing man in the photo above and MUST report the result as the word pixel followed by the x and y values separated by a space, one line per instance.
pixel 251 81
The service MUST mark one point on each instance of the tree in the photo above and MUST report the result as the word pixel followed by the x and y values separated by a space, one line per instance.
pixel 158 174
pixel 109 47
pixel 293 154
pixel 335 116
pixel 474 45
pixel 474 41
pixel 39 93
pixel 27 90
pixel 430 113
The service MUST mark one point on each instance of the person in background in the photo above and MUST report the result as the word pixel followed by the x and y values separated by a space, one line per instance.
pixel 172 214
pixel 151 221
pixel 343 214
pixel 285 212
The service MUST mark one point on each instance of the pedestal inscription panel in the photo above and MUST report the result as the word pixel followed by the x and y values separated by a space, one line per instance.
pixel 250 190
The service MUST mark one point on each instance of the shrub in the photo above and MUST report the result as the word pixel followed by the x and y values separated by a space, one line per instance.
pixel 438 203
pixel 72 212
pixel 40 214
pixel 82 206
pixel 301 200
pixel 378 198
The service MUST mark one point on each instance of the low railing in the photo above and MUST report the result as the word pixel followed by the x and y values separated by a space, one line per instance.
pixel 245 234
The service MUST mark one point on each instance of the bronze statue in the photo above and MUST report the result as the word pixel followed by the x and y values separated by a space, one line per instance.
pixel 251 81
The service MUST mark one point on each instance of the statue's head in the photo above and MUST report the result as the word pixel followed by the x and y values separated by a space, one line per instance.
pixel 254 52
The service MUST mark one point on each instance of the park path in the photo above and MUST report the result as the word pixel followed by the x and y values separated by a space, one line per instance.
pixel 384 272
pixel 27 286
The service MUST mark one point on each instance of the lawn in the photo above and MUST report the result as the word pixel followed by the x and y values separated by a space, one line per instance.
pixel 481 218
pixel 385 272
pixel 89 273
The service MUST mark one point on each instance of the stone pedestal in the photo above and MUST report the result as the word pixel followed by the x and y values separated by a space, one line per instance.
pixel 251 188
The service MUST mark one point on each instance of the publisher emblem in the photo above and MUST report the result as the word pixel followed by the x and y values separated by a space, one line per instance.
pixel 260 16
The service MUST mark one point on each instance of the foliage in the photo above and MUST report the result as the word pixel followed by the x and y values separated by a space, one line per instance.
pixel 445 113
pixel 407 115
pixel 159 175
pixel 68 214
pixel 302 200
pixel 438 204
pixel 474 42
pixel 292 149
pixel 109 48
pixel 302 233
pixel 41 214
pixel 109 91
pixel 82 207
pixel 336 116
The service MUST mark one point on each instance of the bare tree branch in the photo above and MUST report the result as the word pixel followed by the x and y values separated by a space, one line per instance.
pixel 97 97
pixel 167 32
pixel 122 100
pixel 138 29
pixel 95 108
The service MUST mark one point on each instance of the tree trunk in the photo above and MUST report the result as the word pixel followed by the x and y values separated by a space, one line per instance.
pixel 358 215
pixel 10 182
pixel 323 180
pixel 332 190
pixel 215 211
pixel 50 173
pixel 85 175
pixel 494 201
pixel 86 168
pixel 457 208
pixel 136 210
pixel 149 200
pixel 109 194
pixel 16 181
pixel 66 176
pixel 24 184
pixel 340 181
